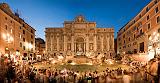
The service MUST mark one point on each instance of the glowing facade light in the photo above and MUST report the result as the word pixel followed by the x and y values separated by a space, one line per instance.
pixel 7 37
pixel 154 33
pixel 30 45
pixel 150 38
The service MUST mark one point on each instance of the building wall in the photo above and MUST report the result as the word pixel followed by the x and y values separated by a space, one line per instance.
pixel 79 37
pixel 14 26
pixel 137 31
pixel 40 46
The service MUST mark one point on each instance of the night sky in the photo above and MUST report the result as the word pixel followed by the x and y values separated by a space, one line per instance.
pixel 52 13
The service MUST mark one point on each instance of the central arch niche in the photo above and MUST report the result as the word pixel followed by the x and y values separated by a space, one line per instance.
pixel 80 46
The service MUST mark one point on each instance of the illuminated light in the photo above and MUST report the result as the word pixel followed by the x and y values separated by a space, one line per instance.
pixel 53 62
pixel 124 52
pixel 6 55
pixel 4 36
pixel 60 57
pixel 109 61
pixel 7 35
pixel 30 45
pixel 89 63
pixel 73 63
pixel 6 48
pixel 64 71
pixel 17 53
pixel 154 33
pixel 150 38
pixel 11 38
pixel 151 55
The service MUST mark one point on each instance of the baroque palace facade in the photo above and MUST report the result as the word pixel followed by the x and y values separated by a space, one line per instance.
pixel 79 37
pixel 141 34
pixel 16 36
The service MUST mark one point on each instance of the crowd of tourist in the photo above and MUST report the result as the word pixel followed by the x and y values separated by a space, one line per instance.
pixel 32 75
pixel 137 73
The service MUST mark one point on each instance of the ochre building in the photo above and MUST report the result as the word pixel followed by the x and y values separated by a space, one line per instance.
pixel 79 37
pixel 16 36
pixel 142 33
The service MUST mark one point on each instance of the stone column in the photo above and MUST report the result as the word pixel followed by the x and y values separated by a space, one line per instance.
pixel 75 47
pixel 65 43
pixel 112 42
pixel 84 47
pixel 95 42
pixel 102 42
pixel 87 43
pixel 72 43
pixel 107 43
pixel 58 42
pixel 51 42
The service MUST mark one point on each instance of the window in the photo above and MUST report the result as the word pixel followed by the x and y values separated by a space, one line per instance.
pixel 31 42
pixel 148 17
pixel 135 28
pixel 11 21
pixel 140 16
pixel 23 39
pixel 147 9
pixel 156 10
pixel 159 30
pixel 31 36
pixel 149 36
pixel 134 36
pixel 24 48
pixel 129 39
pixel 139 24
pixel 6 27
pixel 141 47
pixel 141 32
pixel 23 25
pixel 11 31
pixel 123 36
pixel 158 19
pixel 23 31
pixel 20 44
pixel 155 1
pixel 20 36
pixel 6 18
pixel 134 21
pixel 124 41
pixel 149 26
pixel 20 27
pixel 31 31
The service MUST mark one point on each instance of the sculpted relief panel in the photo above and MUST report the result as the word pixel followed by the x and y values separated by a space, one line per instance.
pixel 80 30
pixel 80 26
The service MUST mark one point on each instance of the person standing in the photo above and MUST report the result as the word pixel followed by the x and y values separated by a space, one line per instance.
pixel 126 78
